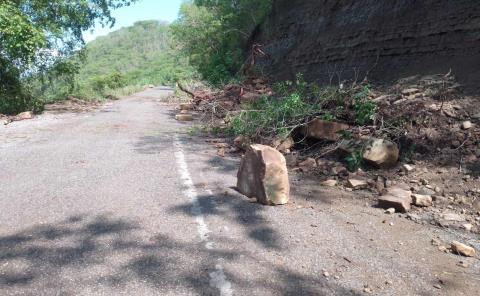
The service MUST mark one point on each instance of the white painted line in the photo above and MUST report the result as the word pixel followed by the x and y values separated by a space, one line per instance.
pixel 217 278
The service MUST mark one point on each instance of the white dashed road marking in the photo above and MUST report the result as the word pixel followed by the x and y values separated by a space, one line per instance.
pixel 217 278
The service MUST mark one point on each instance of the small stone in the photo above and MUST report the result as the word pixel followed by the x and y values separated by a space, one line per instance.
pixel 463 264
pixel 367 289
pixel 466 125
pixel 438 190
pixel 422 200
pixel 252 200
pixel 326 274
pixel 442 249
pixel 408 168
pixel 462 249
pixel 329 183
pixel 184 117
pixel 184 112
pixel 426 191
pixel 410 91
pixel 357 184
pixel 390 211
pixel 308 164
pixel 453 217
pixel 340 171
pixel 468 227
pixel 381 153
pixel 24 115
pixel 397 198
pixel 186 106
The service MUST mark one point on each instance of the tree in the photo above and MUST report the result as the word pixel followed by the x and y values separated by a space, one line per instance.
pixel 214 34
pixel 39 35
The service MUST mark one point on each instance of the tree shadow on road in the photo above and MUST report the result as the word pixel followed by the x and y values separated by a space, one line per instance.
pixel 104 252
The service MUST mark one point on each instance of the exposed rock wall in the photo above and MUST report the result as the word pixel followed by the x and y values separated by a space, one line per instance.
pixel 332 40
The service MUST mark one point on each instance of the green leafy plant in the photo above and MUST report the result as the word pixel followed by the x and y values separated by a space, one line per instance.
pixel 354 160
pixel 365 109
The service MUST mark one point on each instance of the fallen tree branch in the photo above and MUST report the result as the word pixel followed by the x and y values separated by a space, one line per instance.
pixel 191 94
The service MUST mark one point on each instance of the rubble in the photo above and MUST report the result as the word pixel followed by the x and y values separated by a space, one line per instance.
pixel 324 130
pixel 422 200
pixel 184 117
pixel 462 249
pixel 396 198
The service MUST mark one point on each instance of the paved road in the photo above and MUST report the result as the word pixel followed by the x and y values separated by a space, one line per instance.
pixel 122 201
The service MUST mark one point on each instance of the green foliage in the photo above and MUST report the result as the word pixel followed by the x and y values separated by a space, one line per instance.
pixel 115 64
pixel 365 109
pixel 354 160
pixel 214 33
pixel 38 38
pixel 297 102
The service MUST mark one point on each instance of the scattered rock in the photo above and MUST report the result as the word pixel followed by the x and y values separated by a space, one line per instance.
pixel 263 174
pixel 453 217
pixel 329 183
pixel 284 145
pixel 184 112
pixel 426 191
pixel 381 153
pixel 184 117
pixel 24 115
pixel 308 164
pixel 340 170
pixel 396 198
pixel 422 200
pixel 239 142
pixel 466 125
pixel 468 227
pixel 410 91
pixel 325 130
pixel 390 211
pixel 3 122
pixel 356 184
pixel 408 168
pixel 462 249
pixel 186 106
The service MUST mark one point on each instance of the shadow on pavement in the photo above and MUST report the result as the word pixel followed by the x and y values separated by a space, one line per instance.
pixel 36 259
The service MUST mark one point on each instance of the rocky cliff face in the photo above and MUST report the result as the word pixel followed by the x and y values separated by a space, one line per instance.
pixel 332 40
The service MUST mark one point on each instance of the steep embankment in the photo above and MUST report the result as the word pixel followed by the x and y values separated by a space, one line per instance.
pixel 335 39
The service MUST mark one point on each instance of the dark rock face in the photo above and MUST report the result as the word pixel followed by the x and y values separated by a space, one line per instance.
pixel 333 40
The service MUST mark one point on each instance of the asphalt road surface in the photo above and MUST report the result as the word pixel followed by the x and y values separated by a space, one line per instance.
pixel 123 201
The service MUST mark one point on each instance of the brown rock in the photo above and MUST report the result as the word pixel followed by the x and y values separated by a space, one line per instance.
pixel 24 115
pixel 396 198
pixel 308 164
pixel 285 144
pixel 329 183
pixel 239 142
pixel 466 125
pixel 325 130
pixel 410 91
pixel 186 106
pixel 357 184
pixel 263 174
pixel 184 117
pixel 422 200
pixel 462 249
pixel 381 153
pixel 184 112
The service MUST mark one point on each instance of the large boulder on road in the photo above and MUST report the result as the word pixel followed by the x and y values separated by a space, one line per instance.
pixel 263 175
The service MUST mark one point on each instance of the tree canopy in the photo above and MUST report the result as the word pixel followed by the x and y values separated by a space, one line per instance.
pixel 36 35
pixel 214 34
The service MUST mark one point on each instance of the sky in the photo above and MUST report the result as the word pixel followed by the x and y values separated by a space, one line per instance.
pixel 164 10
